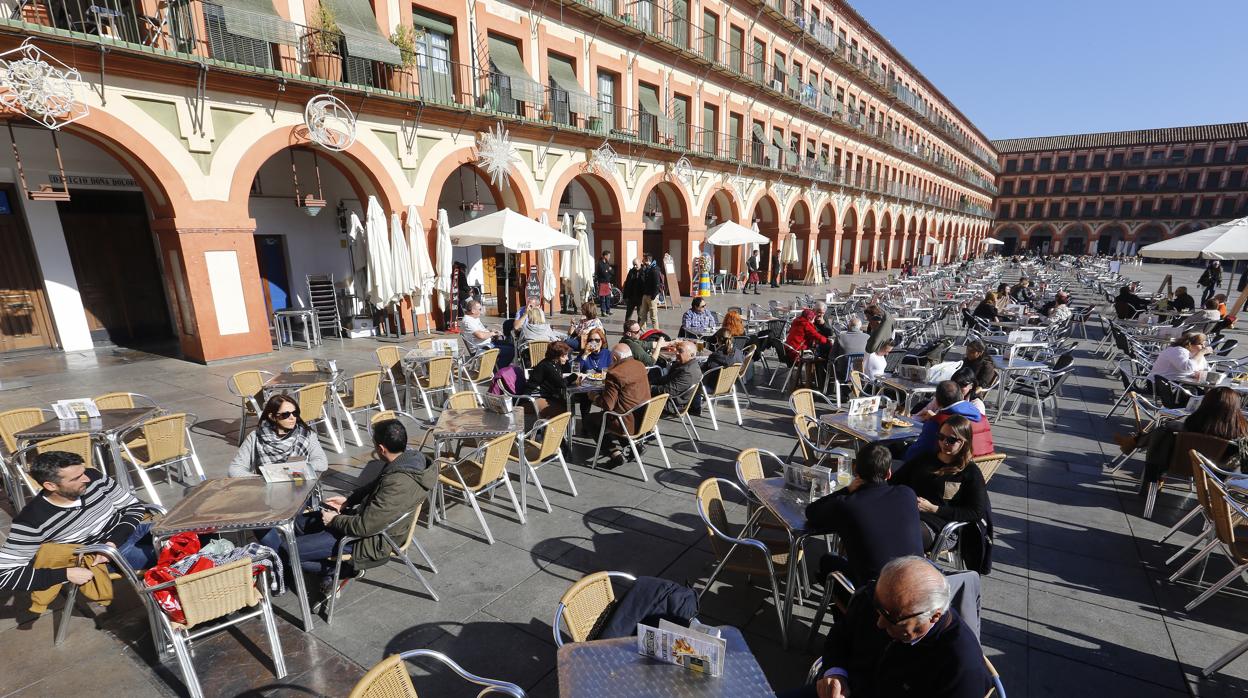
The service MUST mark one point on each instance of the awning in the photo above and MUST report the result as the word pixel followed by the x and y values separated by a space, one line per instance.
pixel 760 135
pixel 505 56
pixel 795 82
pixel 359 27
pixel 256 19
pixel 648 101
pixel 435 23
pixel 564 75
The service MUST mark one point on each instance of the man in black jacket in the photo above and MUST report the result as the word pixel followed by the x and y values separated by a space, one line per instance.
pixel 632 291
pixel 650 286
pixel 604 276
pixel 900 638
pixel 679 378
pixel 751 273
pixel 876 521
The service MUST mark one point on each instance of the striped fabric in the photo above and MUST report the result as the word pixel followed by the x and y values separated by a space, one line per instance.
pixel 108 514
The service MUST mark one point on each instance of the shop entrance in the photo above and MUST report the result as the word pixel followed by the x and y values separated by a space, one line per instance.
pixel 24 319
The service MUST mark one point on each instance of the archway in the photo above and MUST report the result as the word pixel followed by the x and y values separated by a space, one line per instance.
pixel 722 208
pixel 1040 239
pixel 910 251
pixel 593 197
pixel 666 224
pixel 921 244
pixel 801 225
pixel 866 245
pixel 465 194
pixel 1148 234
pixel 1074 239
pixel 850 235
pixel 1011 235
pixel 828 248
pixel 898 242
pixel 1111 238
pixel 766 214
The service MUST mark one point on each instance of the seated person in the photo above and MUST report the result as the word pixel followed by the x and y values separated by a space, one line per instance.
pixel 1057 310
pixel 901 638
pixel 951 401
pixel 1221 299
pixel 724 351
pixel 588 321
pixel 548 381
pixel 533 327
pixel 1183 358
pixel 987 308
pixel 1003 297
pixel 930 472
pixel 803 336
pixel 1127 305
pixel 1183 301
pixel 682 374
pixel 280 437
pixel 879 326
pixel 975 357
pixel 697 321
pixel 821 319
pixel 1218 414
pixel 853 340
pixel 1022 293
pixel 873 365
pixel 969 385
pixel 479 337
pixel 643 350
pixel 876 522
pixel 405 480
pixel 624 388
pixel 594 356
pixel 1208 313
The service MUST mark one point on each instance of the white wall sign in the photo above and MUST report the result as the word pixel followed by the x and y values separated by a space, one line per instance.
pixel 226 283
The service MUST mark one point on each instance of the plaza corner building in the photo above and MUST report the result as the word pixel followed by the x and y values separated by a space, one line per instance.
pixel 192 175
pixel 1112 193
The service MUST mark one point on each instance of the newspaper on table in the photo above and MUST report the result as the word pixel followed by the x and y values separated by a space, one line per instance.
pixel 695 648
pixel 79 408
pixel 287 472
pixel 862 406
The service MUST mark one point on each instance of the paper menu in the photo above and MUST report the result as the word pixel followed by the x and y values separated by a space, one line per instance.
pixel 285 472
pixel 675 644
pixel 861 406
pixel 80 408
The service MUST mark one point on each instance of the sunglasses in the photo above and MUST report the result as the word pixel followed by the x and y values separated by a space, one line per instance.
pixel 286 415
pixel 949 440
pixel 889 617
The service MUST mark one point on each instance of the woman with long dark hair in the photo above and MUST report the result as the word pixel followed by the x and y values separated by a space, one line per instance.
pixel 949 485
pixel 724 351
pixel 549 381
pixel 281 437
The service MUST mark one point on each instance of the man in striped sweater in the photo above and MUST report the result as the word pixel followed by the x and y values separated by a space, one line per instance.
pixel 74 505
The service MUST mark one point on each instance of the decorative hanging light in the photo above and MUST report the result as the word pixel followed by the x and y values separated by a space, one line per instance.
pixel 310 204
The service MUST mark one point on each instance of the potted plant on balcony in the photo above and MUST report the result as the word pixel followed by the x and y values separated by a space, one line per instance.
pixel 402 77
pixel 36 12
pixel 323 46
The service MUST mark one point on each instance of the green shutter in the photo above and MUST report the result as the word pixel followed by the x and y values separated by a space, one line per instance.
pixel 363 37
pixel 256 19
pixel 505 56
pixel 563 73
pixel 423 19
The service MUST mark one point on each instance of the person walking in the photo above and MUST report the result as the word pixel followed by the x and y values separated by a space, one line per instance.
pixel 632 291
pixel 604 274
pixel 751 273
pixel 649 292
pixel 1210 280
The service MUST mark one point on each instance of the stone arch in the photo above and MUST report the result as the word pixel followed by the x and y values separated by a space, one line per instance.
pixel 1148 233
pixel 828 235
pixel 673 235
pixel 723 204
pixel 1110 238
pixel 604 194
pixel 1011 235
pixel 851 232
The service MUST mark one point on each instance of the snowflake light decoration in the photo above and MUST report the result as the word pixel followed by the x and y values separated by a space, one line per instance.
pixel 603 158
pixel 496 154
pixel 682 169
pixel 330 122
pixel 39 86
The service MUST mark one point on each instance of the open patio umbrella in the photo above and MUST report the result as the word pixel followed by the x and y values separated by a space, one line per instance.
pixel 511 230
pixel 731 234
pixel 424 277
pixel 582 261
pixel 404 277
pixel 1226 241
pixel 992 241
pixel 442 281
pixel 380 261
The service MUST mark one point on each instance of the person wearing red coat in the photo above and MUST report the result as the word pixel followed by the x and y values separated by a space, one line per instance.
pixel 804 335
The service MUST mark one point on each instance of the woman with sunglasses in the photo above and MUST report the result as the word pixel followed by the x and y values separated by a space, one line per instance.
pixel 594 355
pixel 949 486
pixel 281 437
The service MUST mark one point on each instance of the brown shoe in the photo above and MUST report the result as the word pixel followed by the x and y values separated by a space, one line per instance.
pixel 1126 442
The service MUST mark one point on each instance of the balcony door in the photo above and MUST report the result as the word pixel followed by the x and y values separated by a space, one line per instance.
pixel 25 322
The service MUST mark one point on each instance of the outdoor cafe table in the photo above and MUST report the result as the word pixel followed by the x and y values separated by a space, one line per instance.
pixel 293 380
pixel 108 426
pixel 613 669
pixel 905 388
pixel 868 429
pixel 244 504
pixel 1006 367
pixel 1201 381
pixel 477 423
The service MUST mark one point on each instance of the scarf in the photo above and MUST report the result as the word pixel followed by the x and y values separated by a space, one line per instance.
pixel 271 448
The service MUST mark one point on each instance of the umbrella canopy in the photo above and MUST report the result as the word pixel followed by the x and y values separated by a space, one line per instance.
pixel 423 275
pixel 442 281
pixel 730 234
pixel 993 241
pixel 380 261
pixel 359 261
pixel 788 249
pixel 404 277
pixel 511 230
pixel 1226 241
pixel 565 256
pixel 582 262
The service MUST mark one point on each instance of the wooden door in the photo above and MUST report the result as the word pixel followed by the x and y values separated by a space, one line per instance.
pixel 25 322
pixel 114 259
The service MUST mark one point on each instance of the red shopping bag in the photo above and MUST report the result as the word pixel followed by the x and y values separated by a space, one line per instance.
pixel 174 549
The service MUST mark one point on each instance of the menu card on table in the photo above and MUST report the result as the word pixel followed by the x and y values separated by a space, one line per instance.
pixel 80 408
pixel 287 472
pixel 861 406
pixel 693 648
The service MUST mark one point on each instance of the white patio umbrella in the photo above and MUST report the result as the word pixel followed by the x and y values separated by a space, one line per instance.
pixel 442 280
pixel 549 281
pixel 359 262
pixel 404 278
pixel 565 256
pixel 582 270
pixel 731 234
pixel 380 261
pixel 424 277
pixel 788 249
pixel 511 230
pixel 992 241
pixel 1226 241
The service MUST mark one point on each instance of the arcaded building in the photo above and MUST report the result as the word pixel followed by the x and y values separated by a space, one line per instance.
pixel 194 169
pixel 1112 193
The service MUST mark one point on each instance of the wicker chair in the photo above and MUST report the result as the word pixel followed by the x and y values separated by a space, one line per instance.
pixel 645 426
pixel 414 425
pixel 302 366
pixel 749 466
pixel 364 395
pixel 123 401
pixel 11 423
pixel 80 444
pixel 438 378
pixel 209 596
pixel 725 388
pixel 686 420
pixel 805 401
pixel 390 361
pixel 311 399
pixel 585 606
pixel 463 400
pixel 389 678
pixel 747 361
pixel 162 442
pixel 248 387
pixel 1228 516
pixel 481 471
pixel 1184 442
pixel 479 371
pixel 535 351
pixel 813 451
pixel 532 454
pixel 768 560
pixel 406 524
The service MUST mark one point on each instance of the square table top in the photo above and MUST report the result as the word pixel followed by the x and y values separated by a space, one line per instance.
pixel 235 503
pixel 109 421
pixel 613 668
pixel 474 422
pixel 906 385
pixel 419 355
pixel 787 504
pixel 298 379
pixel 868 428
pixel 1003 364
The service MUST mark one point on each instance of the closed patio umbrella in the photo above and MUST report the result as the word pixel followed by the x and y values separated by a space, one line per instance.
pixel 404 277
pixel 424 278
pixel 444 258
pixel 582 271
pixel 380 261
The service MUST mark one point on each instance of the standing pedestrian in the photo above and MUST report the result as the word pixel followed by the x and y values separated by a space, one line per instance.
pixel 1210 280
pixel 751 273
pixel 777 270
pixel 604 274
pixel 649 292
pixel 632 291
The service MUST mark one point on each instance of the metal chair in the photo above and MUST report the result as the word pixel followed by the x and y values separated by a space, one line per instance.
pixel 1201 509
pixel 645 418
pixel 438 378
pixel 749 466
pixel 586 606
pixel 390 360
pixel 686 420
pixel 248 387
pixel 534 352
pixel 1228 516
pixel 747 362
pixel 416 422
pixel 481 471
pixel 389 678
pixel 997 690
pixel 725 388
pixel 1185 442
pixel 531 454
pixel 80 444
pixel 396 551
pixel 162 442
pixel 123 401
pixel 364 395
pixel 1040 388
pixel 311 399
pixel 814 452
pixel 302 366
pixel 769 561
pixel 479 371
pixel 462 400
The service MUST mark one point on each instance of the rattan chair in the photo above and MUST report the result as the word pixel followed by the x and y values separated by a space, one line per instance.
pixel 390 361
pixel 479 371
pixel 80 444
pixel 724 388
pixel 534 351
pixel 439 377
pixel 161 442
pixel 586 606
pixel 302 366
pixel 1228 516
pixel 248 387
pixel 209 596
pixel 814 452
pixel 1180 464
pixel 404 525
pixel 750 466
pixel 389 678
pixel 753 557
pixel 123 401
pixel 312 399
pixel 747 362
pixel 414 424
pixel 481 471
pixel 463 400
pixel 363 395
pixel 531 453
pixel 645 418
pixel 13 422
pixel 686 420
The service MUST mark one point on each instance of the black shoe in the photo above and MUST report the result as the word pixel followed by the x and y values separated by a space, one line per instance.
pixel 757 293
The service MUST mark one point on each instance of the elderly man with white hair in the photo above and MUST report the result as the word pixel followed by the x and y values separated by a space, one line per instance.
pixel 624 388
pixel 901 638
pixel 853 340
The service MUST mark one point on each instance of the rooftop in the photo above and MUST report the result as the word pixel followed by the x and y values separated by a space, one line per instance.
pixel 1150 136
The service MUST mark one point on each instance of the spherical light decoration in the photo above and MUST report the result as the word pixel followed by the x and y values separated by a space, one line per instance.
pixel 330 123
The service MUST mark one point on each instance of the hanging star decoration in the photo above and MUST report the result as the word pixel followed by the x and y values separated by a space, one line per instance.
pixel 496 154
pixel 603 158
pixel 39 86
pixel 682 169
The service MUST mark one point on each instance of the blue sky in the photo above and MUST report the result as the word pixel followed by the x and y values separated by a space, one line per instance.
pixel 1025 68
